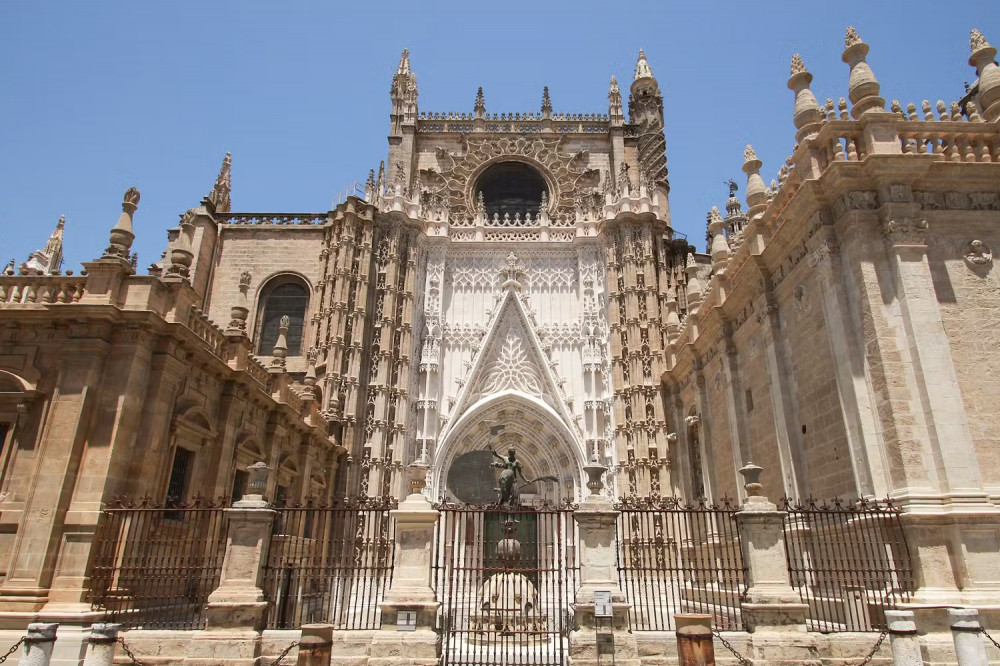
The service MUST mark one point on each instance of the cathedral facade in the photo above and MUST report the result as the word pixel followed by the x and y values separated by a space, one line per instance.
pixel 512 280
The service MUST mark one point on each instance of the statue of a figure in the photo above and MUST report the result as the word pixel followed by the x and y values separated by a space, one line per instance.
pixel 509 489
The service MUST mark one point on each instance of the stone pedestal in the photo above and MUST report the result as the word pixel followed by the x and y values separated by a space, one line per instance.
pixel 236 609
pixel 599 640
pixel 38 644
pixel 397 643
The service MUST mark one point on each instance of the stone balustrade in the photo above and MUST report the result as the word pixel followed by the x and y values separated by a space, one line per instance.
pixel 41 289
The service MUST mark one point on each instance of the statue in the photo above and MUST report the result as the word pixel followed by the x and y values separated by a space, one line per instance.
pixel 509 490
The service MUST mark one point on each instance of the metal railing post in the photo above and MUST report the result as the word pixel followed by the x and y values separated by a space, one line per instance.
pixel 38 644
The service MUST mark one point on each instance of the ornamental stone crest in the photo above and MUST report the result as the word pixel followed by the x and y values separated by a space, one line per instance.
pixel 978 253
pixel 563 173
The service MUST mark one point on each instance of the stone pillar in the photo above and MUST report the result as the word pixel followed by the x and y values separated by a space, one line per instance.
pixel 903 638
pixel 38 644
pixel 589 640
pixel 236 608
pixel 101 644
pixel 315 645
pixel 694 639
pixel 965 632
pixel 773 611
pixel 410 591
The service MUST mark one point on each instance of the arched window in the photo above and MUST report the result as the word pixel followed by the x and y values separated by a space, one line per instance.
pixel 289 297
pixel 511 187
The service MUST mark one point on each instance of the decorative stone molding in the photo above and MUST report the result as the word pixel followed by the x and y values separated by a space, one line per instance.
pixel 977 253
pixel 906 232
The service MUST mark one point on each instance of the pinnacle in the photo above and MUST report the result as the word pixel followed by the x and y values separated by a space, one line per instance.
pixel 852 37
pixel 798 66
pixel 642 69
pixel 714 215
pixel 977 41
pixel 546 101
pixel 614 82
pixel 749 155
pixel 404 63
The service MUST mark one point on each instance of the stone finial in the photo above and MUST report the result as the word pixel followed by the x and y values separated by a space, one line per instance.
pixel 238 313
pixel 546 103
pixel 642 69
pixel 756 196
pixel 982 58
pixel 863 88
pixel 720 246
pixel 404 62
pixel 370 186
pixel 694 288
pixel 805 111
pixel 256 486
pixel 480 107
pixel 280 352
pixel 181 256
pixel 615 112
pixel 122 234
pixel 219 197
pixel 673 321
pixel 751 479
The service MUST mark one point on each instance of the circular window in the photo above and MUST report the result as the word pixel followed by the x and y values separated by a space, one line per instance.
pixel 511 188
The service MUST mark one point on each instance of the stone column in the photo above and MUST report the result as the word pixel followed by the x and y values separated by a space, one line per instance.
pixel 101 644
pixel 903 638
pixel 410 591
pixel 965 632
pixel 38 644
pixel 236 609
pixel 597 522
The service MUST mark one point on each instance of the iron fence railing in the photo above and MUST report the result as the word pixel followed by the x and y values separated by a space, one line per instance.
pixel 677 557
pixel 329 563
pixel 849 561
pixel 506 579
pixel 154 565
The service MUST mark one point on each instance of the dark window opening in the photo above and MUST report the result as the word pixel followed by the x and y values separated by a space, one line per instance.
pixel 179 476
pixel 749 395
pixel 286 300
pixel 511 188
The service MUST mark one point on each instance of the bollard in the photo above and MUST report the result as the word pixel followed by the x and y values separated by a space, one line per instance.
pixel 315 645
pixel 965 632
pixel 694 639
pixel 101 644
pixel 38 644
pixel 903 638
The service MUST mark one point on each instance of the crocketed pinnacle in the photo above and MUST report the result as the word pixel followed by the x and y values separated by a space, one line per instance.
pixel 546 101
pixel 798 67
pixel 748 154
pixel 404 63
pixel 805 111
pixel 852 37
pixel 480 107
pixel 220 196
pixel 863 88
pixel 642 70
pixel 977 41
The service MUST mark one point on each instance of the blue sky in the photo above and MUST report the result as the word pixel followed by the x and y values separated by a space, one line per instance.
pixel 99 96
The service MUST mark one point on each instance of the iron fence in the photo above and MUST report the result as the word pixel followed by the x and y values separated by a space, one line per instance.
pixel 506 579
pixel 154 565
pixel 849 561
pixel 329 563
pixel 675 557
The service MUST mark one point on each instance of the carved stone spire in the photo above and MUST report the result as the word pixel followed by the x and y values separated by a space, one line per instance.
pixel 404 95
pixel 181 256
pixel 694 288
pixel 805 112
pixel 219 197
pixel 122 234
pixel 47 260
pixel 546 103
pixel 615 113
pixel 863 87
pixel 982 59
pixel 756 190
pixel 642 69
pixel 480 107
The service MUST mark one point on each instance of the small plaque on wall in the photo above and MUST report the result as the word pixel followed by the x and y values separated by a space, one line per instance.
pixel 602 603
pixel 406 620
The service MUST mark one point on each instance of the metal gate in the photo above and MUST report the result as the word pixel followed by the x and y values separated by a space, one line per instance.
pixel 506 579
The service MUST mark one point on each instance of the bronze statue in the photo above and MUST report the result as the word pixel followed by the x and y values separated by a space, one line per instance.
pixel 509 490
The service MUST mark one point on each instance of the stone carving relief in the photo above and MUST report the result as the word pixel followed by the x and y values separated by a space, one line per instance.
pixel 978 253
pixel 512 369
pixel 565 173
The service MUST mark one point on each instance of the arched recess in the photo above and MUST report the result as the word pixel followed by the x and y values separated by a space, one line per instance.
pixel 192 435
pixel 248 451
pixel 545 445
pixel 281 295
pixel 20 417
